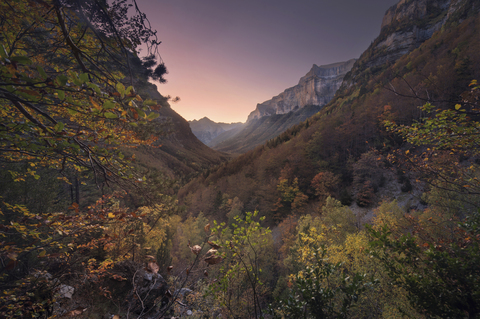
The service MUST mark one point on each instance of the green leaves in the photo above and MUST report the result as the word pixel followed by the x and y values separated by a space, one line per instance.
pixel 120 89
pixel 42 72
pixel 110 115
pixel 59 127
pixel 152 116
pixel 440 277
pixel 84 77
pixel 149 102
pixel 61 80
pixel 61 94
pixel 317 293
pixel 21 59
pixel 249 245
pixel 108 104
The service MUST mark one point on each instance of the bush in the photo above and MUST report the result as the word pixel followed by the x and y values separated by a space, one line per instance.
pixel 345 197
pixel 365 195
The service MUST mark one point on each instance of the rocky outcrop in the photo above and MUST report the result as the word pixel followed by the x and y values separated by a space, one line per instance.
pixel 406 10
pixel 207 130
pixel 317 87
pixel 258 131
pixel 405 27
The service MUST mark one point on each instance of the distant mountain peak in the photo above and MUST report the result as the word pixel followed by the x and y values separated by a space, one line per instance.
pixel 206 130
pixel 317 87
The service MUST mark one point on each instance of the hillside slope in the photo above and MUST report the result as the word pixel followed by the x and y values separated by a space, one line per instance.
pixel 178 152
pixel 383 84
pixel 292 106
pixel 259 130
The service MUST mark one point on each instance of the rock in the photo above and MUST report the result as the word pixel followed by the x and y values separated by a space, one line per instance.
pixel 405 27
pixel 183 291
pixel 401 33
pixel 317 87
pixel 413 10
pixel 150 287
pixel 65 291
pixel 148 276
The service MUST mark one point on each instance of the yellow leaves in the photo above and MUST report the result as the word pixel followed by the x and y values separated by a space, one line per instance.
pixel 65 179
pixel 94 103
pixel 12 256
pixel 111 215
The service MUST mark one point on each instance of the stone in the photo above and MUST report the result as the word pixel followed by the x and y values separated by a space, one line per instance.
pixel 65 291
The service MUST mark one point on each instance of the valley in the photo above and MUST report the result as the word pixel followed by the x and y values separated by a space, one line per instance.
pixel 352 194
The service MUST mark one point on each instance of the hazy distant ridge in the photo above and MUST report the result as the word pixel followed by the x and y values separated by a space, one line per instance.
pixel 206 130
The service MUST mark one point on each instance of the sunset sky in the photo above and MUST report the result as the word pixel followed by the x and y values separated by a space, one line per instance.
pixel 225 56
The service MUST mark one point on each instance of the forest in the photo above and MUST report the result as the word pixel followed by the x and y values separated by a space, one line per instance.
pixel 368 209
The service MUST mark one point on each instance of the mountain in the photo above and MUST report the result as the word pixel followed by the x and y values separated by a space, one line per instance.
pixel 178 152
pixel 317 87
pixel 291 107
pixel 207 130
pixel 258 131
pixel 404 28
pixel 427 51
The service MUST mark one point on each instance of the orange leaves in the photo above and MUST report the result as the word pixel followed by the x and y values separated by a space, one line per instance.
pixel 94 103
pixel 213 245
pixel 76 312
pixel 213 260
pixel 207 227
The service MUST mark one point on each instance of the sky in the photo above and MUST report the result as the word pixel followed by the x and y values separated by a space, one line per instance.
pixel 226 56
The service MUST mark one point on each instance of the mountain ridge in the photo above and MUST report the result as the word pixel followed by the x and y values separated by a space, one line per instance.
pixel 294 105
pixel 317 87
pixel 207 130
pixel 336 138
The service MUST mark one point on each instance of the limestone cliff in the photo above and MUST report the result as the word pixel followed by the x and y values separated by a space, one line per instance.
pixel 405 27
pixel 408 24
pixel 317 87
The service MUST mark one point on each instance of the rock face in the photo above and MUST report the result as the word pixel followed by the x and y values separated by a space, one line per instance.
pixel 317 87
pixel 206 130
pixel 405 27
pixel 258 131
pixel 405 36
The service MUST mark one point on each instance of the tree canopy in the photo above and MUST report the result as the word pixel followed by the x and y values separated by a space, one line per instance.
pixel 65 101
